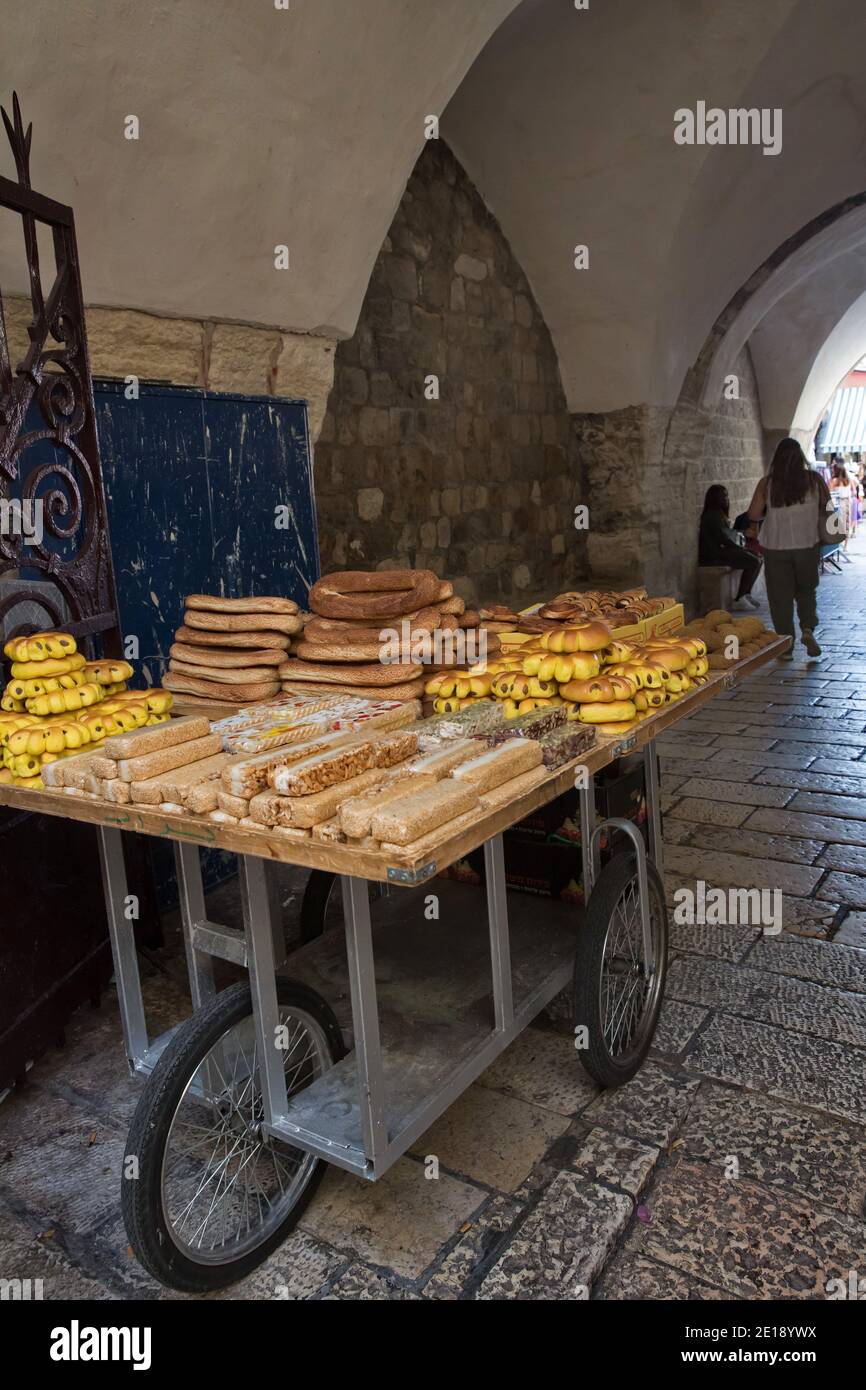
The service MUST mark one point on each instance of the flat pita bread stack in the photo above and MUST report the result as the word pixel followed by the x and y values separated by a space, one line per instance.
pixel 229 650
pixel 377 633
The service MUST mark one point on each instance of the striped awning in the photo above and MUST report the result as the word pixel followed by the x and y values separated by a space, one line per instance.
pixel 846 425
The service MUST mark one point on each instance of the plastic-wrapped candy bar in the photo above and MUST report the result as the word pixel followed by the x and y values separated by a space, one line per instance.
pixel 475 721
pixel 534 724
pixel 562 745
pixel 292 719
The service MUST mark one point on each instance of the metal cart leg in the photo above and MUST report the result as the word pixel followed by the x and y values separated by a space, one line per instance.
pixel 122 936
pixel 261 927
pixel 199 963
pixel 653 802
pixel 365 1016
pixel 588 841
pixel 500 945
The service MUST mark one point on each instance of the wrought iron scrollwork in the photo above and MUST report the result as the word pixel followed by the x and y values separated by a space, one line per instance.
pixel 49 454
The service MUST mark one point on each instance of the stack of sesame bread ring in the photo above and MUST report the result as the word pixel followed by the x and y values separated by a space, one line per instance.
pixel 229 650
pixel 377 633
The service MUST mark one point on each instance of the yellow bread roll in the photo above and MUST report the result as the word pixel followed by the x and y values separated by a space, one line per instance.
pixel 52 666
pixel 646 700
pixel 600 688
pixel 616 728
pixel 673 656
pixel 108 672
pixel 578 637
pixel 41 646
pixel 566 667
pixel 60 700
pixel 608 711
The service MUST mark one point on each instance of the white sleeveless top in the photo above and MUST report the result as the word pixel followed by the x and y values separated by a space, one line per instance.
pixel 791 528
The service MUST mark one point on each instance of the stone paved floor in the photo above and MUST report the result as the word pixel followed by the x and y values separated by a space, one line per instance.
pixel 734 1165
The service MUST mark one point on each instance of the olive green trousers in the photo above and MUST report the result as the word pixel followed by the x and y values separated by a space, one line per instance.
pixel 792 577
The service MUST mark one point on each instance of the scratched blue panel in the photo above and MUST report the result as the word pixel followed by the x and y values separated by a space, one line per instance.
pixel 193 480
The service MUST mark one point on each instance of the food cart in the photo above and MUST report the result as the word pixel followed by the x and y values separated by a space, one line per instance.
pixel 346 1054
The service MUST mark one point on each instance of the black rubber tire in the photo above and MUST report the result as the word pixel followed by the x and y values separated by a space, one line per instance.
pixel 314 904
pixel 141 1198
pixel 614 878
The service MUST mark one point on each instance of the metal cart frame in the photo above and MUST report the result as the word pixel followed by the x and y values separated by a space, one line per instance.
pixel 260 949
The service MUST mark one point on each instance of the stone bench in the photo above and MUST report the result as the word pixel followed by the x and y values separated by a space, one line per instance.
pixel 717 587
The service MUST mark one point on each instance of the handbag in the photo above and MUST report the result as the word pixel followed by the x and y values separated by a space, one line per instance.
pixel 831 525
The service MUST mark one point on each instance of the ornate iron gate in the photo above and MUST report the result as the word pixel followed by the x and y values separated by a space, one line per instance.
pixel 53 944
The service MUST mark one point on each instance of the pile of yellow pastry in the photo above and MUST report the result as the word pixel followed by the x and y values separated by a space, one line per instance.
pixel 717 628
pixel 603 680
pixel 57 703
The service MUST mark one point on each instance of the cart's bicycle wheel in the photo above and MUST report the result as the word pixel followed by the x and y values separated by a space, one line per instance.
pixel 320 895
pixel 615 996
pixel 320 888
pixel 212 1196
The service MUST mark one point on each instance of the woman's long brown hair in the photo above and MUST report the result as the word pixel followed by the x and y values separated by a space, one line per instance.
pixel 790 478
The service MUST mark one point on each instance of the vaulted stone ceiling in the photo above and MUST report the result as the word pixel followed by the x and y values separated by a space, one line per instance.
pixel 262 126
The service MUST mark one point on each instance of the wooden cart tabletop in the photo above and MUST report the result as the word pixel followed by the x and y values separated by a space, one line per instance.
pixel 374 863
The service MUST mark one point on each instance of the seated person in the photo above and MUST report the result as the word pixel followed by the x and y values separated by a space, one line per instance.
pixel 720 544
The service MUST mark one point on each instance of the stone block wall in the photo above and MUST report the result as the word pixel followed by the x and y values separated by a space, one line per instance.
pixel 733 452
pixel 445 443
pixel 643 473
pixel 190 352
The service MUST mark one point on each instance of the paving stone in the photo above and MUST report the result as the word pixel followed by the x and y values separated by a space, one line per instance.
pixel 697 810
pixel 650 1107
pixel 63 1164
pixel 825 803
pixel 749 743
pixel 562 1244
pixel 682 741
pixel 808 826
pixel 364 1285
pixel 480 1241
pixel 297 1270
pixel 677 832
pixel 615 1161
pixel 721 943
pixel 752 1239
pixel 744 793
pixel 543 1069
pixel 634 1277
pixel 740 764
pixel 847 767
pixel 37 1255
pixel 399 1222
pixel 809 1071
pixel 852 931
pixel 787 1003
pixel 824 962
pixel 821 754
pixel 808 916
pixel 759 846
pixel 779 1143
pixel 851 858
pixel 677 1025
pixel 838 783
pixel 490 1137
pixel 847 888
pixel 840 738
pixel 740 871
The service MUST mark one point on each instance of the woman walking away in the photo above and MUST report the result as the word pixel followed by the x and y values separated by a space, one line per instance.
pixel 789 499
pixel 720 544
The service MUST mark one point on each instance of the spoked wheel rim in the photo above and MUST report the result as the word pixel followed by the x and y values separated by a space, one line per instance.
pixel 225 1186
pixel 628 990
